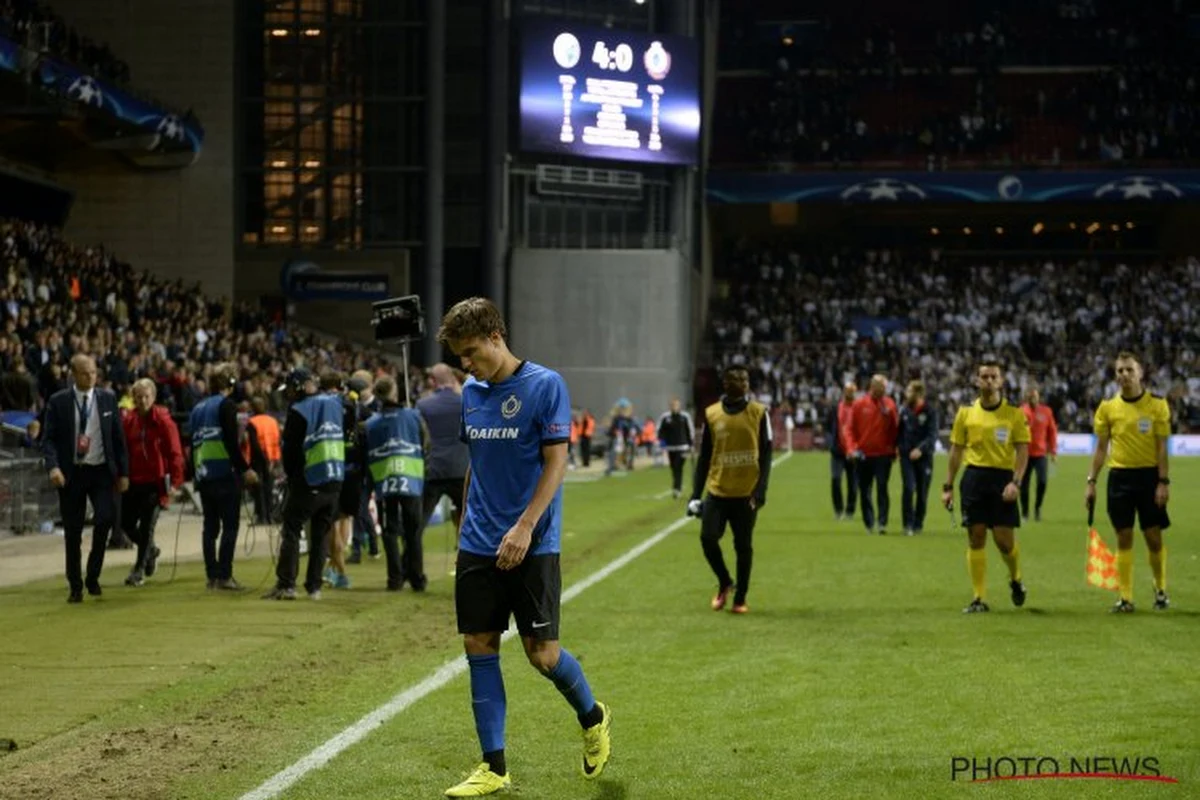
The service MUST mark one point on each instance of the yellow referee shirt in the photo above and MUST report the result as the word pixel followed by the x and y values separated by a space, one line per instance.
pixel 1134 428
pixel 989 435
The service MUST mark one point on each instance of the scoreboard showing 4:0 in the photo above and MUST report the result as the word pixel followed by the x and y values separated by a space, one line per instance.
pixel 606 93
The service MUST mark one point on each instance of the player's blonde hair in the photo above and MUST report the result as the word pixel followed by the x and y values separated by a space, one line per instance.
pixel 473 318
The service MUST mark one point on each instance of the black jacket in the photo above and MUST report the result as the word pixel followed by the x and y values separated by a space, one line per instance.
pixel 295 428
pixel 675 431
pixel 58 435
pixel 918 429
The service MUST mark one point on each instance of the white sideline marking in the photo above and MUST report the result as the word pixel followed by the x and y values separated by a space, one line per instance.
pixel 662 495
pixel 282 781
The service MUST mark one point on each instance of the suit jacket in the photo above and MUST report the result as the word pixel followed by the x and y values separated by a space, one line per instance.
pixel 58 435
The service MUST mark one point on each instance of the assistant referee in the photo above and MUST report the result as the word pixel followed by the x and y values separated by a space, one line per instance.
pixel 994 435
pixel 1137 424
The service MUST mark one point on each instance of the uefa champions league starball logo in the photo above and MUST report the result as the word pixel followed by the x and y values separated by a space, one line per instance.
pixel 171 128
pixel 1134 187
pixel 85 90
pixel 884 189
pixel 567 50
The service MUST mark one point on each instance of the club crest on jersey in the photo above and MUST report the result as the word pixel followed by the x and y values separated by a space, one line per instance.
pixel 1144 425
pixel 1001 435
pixel 510 407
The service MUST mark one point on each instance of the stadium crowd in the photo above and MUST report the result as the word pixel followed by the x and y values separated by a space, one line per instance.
pixel 35 24
pixel 844 91
pixel 805 325
pixel 58 299
pixel 882 36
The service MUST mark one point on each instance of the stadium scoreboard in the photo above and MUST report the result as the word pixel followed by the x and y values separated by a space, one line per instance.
pixel 607 93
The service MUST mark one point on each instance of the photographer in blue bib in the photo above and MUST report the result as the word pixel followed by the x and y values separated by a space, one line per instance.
pixel 220 471
pixel 393 446
pixel 314 463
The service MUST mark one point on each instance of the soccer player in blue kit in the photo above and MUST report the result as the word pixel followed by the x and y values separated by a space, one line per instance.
pixel 517 423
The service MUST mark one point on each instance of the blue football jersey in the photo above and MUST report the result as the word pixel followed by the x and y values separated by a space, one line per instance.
pixel 505 426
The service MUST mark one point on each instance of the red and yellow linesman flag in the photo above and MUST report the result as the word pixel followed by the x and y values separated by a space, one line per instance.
pixel 1101 562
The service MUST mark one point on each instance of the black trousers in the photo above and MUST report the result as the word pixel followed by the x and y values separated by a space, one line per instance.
pixel 914 494
pixel 403 522
pixel 222 502
pixel 676 459
pixel 740 517
pixel 437 488
pixel 875 470
pixel 263 493
pixel 86 483
pixel 1036 464
pixel 585 450
pixel 139 516
pixel 840 466
pixel 363 528
pixel 304 504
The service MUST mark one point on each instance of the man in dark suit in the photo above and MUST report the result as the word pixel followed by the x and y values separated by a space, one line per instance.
pixel 85 451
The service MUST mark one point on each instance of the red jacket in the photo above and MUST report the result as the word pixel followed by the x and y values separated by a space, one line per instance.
pixel 1043 431
pixel 874 425
pixel 154 449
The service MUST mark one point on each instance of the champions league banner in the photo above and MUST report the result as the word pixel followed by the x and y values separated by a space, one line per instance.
pixel 954 187
pixel 73 84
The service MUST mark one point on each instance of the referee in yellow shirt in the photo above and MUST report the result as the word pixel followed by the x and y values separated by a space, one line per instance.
pixel 1137 424
pixel 994 435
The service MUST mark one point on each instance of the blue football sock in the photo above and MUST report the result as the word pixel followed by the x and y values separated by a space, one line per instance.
pixel 568 678
pixel 487 701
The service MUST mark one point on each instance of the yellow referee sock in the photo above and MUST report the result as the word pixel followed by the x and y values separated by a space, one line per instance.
pixel 977 567
pixel 1125 574
pixel 1158 565
pixel 1013 559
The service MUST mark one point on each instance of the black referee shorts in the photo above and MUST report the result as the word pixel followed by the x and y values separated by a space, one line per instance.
pixel 1130 494
pixel 485 595
pixel 981 493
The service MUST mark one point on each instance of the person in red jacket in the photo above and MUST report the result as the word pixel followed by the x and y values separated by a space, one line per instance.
pixel 871 443
pixel 839 455
pixel 155 465
pixel 1043 432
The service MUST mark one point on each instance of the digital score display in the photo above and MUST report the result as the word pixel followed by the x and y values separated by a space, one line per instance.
pixel 606 93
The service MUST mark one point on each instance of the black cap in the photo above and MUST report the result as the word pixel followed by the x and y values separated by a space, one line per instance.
pixel 357 385
pixel 296 379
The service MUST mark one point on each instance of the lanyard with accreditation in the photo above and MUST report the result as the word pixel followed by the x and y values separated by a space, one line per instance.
pixel 83 442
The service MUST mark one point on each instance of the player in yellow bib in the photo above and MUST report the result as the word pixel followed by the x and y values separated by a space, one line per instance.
pixel 734 466
pixel 992 436
pixel 1132 431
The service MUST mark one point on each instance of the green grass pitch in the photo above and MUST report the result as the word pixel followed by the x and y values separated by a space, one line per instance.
pixel 854 676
